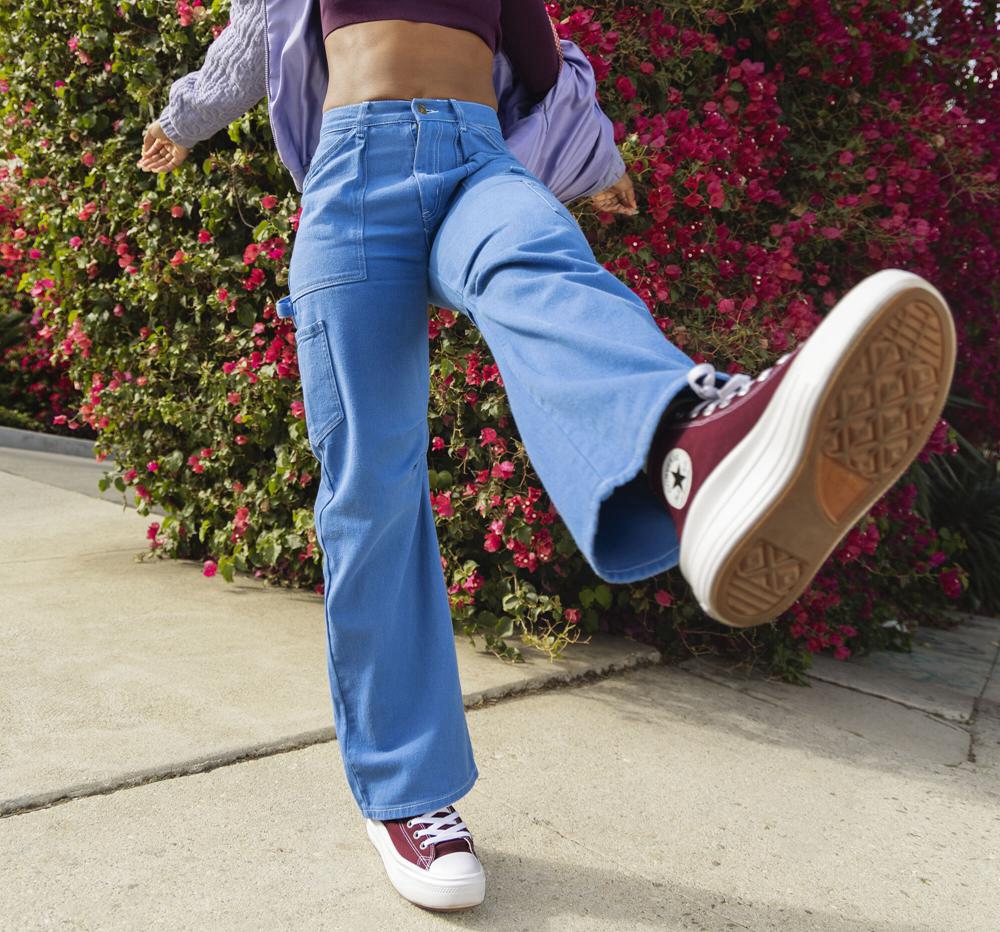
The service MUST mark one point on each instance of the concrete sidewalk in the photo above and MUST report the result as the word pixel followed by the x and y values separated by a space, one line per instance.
pixel 185 726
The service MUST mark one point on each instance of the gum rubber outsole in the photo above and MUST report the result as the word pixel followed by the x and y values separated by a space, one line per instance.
pixel 878 410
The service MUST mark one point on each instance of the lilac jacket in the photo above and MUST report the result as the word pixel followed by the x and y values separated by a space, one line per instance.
pixel 565 139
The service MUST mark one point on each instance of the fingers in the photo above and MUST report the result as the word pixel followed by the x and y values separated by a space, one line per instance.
pixel 626 193
pixel 619 198
pixel 159 157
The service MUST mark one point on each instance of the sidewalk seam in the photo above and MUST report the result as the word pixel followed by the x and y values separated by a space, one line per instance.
pixel 977 706
pixel 472 701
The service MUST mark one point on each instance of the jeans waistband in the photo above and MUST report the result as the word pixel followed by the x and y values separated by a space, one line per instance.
pixel 413 109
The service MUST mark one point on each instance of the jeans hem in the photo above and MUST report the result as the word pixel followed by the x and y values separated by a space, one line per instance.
pixel 407 810
pixel 605 489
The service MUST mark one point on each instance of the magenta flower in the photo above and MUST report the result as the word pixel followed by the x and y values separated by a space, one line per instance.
pixel 663 597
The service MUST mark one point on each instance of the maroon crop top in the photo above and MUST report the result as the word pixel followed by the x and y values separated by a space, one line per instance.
pixel 522 28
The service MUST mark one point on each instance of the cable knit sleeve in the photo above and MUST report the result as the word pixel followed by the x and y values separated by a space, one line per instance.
pixel 231 81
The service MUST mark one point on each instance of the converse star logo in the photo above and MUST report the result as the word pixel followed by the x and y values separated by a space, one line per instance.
pixel 676 476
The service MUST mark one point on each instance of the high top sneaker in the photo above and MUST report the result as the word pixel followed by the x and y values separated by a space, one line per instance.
pixel 764 476
pixel 430 859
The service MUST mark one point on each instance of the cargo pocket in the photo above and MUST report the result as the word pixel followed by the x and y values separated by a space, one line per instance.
pixel 320 394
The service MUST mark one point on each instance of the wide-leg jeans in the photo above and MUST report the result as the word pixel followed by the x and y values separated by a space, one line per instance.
pixel 411 202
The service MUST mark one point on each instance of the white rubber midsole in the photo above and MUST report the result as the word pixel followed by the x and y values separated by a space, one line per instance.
pixel 420 887
pixel 754 474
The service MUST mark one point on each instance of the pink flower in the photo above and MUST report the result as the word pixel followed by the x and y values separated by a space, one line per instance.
pixel 474 582
pixel 210 568
pixel 572 615
pixel 951 583
pixel 663 597
pixel 152 465
pixel 269 202
pixel 503 470
pixel 625 87
pixel 442 504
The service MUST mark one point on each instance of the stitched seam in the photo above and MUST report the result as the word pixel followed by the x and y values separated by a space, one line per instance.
pixel 373 811
pixel 328 592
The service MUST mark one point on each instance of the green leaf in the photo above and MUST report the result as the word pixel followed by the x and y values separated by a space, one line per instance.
pixel 225 566
pixel 603 595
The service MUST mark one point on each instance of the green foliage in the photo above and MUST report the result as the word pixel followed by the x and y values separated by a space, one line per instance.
pixel 154 294
pixel 961 495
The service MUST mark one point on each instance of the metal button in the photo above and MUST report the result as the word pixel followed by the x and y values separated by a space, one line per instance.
pixel 421 108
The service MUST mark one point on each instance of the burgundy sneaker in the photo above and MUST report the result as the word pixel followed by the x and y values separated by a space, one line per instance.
pixel 765 476
pixel 430 859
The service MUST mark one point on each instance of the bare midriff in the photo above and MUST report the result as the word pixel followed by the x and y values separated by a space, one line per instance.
pixel 394 59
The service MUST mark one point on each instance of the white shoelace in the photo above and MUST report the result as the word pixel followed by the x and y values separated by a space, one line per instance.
pixel 714 397
pixel 441 825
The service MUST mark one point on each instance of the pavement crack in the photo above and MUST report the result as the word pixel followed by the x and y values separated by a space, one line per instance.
pixel 204 764
pixel 25 804
pixel 913 707
pixel 977 707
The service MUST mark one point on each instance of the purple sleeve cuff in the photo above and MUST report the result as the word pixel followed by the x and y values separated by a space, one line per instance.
pixel 167 125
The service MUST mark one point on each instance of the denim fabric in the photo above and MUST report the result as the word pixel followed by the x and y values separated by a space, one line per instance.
pixel 410 202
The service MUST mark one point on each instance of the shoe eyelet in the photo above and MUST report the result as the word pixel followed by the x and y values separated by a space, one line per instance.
pixel 409 824
pixel 423 845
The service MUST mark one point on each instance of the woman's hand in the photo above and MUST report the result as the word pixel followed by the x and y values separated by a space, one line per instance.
pixel 617 199
pixel 159 152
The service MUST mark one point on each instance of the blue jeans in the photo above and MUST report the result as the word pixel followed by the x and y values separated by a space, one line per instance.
pixel 411 202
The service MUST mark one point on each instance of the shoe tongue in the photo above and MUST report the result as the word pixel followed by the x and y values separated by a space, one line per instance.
pixel 450 847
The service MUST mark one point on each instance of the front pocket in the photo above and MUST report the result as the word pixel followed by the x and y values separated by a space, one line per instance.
pixel 326 148
pixel 492 135
pixel 320 394
pixel 329 243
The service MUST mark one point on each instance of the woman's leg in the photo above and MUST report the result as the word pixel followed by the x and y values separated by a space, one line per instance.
pixel 587 372
pixel 763 479
pixel 357 287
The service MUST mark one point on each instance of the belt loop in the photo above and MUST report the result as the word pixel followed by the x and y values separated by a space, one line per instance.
pixel 360 121
pixel 459 112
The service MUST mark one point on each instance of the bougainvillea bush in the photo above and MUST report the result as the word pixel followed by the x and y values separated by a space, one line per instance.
pixel 781 151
